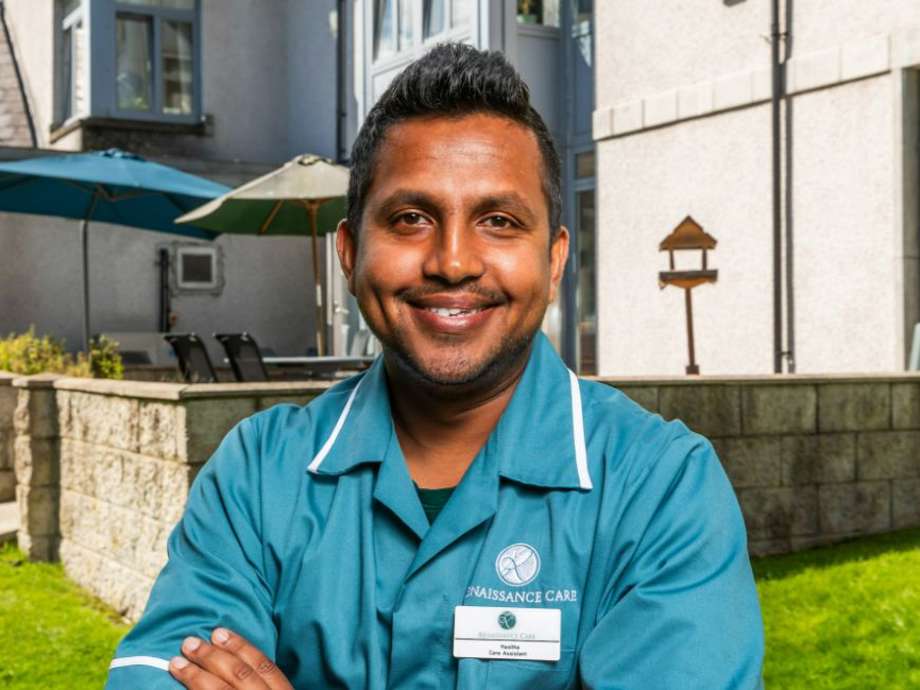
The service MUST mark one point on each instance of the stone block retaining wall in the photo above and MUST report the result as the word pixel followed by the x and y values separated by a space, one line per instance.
pixel 813 460
pixel 103 467
pixel 8 396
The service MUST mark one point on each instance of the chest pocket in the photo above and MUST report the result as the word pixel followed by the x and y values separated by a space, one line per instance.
pixel 527 675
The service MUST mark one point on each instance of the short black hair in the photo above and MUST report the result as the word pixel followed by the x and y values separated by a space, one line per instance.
pixel 452 80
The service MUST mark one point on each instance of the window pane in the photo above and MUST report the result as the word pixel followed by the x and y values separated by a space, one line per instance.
pixel 544 12
pixel 197 268
pixel 67 74
pixel 584 164
pixel 132 50
pixel 434 17
pixel 384 28
pixel 460 13
pixel 69 6
pixel 583 9
pixel 177 67
pixel 406 25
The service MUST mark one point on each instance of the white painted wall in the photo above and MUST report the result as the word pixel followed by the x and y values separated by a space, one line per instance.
pixel 855 255
pixel 269 83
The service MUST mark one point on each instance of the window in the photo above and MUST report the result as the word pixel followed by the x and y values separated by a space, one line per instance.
pixel 71 62
pixel 384 28
pixel 545 12
pixel 435 15
pixel 156 70
pixel 197 268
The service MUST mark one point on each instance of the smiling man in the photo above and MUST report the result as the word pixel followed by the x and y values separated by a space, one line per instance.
pixel 467 513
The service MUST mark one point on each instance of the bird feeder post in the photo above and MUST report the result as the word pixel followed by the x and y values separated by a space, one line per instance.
pixel 688 235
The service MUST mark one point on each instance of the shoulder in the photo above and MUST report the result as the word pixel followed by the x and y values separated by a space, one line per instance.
pixel 285 434
pixel 630 442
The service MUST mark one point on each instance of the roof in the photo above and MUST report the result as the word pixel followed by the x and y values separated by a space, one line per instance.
pixel 688 235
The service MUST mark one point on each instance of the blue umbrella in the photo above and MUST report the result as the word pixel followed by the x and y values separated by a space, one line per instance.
pixel 108 186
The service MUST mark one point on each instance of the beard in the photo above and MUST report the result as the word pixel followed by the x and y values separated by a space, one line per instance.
pixel 455 369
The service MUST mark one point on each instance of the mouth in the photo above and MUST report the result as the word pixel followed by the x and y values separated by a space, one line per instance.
pixel 452 315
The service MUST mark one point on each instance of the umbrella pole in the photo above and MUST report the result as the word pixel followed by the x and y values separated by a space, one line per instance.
pixel 313 208
pixel 84 241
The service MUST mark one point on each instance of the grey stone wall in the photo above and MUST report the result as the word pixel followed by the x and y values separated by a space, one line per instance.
pixel 119 458
pixel 103 467
pixel 814 460
pixel 8 396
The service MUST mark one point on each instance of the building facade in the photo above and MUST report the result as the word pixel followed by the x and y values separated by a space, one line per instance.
pixel 683 126
pixel 218 88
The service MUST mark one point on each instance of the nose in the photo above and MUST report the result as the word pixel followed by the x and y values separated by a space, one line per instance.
pixel 455 255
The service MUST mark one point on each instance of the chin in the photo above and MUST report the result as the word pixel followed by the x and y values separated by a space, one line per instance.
pixel 456 367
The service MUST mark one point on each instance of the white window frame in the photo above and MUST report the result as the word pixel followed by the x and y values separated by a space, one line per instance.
pixel 158 15
pixel 66 104
pixel 182 285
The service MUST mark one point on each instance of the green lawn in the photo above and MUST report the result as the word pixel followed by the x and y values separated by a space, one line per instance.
pixel 53 636
pixel 846 617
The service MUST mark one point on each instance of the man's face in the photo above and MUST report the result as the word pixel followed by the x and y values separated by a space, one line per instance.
pixel 452 266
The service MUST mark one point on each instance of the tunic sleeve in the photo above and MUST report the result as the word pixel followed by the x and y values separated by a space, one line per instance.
pixel 214 575
pixel 685 612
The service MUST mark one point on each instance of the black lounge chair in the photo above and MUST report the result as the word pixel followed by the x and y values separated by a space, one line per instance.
pixel 192 357
pixel 244 356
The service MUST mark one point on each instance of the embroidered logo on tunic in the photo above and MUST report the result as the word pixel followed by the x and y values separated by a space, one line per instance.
pixel 518 564
pixel 507 620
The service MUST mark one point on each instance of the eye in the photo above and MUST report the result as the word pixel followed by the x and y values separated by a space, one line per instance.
pixel 500 222
pixel 411 218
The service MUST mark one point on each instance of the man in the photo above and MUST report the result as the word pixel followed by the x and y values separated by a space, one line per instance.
pixel 467 513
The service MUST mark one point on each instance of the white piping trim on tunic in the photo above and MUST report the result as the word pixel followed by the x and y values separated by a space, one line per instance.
pixel 153 661
pixel 578 435
pixel 327 446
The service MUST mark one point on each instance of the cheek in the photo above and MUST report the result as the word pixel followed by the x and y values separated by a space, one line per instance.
pixel 525 275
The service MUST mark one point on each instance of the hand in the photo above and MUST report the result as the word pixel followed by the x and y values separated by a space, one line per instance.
pixel 228 663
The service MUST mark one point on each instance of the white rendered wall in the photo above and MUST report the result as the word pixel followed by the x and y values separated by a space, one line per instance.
pixel 683 126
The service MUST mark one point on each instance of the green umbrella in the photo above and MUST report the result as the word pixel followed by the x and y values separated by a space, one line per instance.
pixel 305 195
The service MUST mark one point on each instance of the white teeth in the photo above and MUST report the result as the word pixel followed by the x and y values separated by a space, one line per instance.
pixel 451 312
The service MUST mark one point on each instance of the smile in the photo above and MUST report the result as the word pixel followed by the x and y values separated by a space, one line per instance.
pixel 440 311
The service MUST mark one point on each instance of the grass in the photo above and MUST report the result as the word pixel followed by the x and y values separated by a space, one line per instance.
pixel 53 635
pixel 843 617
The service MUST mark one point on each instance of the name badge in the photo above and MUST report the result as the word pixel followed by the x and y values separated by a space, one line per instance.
pixel 494 632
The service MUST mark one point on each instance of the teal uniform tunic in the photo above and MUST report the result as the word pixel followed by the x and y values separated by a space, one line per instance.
pixel 305 534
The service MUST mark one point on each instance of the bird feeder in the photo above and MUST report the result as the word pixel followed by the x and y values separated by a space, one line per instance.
pixel 688 236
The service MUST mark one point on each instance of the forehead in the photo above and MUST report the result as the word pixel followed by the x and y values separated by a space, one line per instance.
pixel 472 155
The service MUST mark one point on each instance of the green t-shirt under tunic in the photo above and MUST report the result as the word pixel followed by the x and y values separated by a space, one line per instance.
pixel 433 500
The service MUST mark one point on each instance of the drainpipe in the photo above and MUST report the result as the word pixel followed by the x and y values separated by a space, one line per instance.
pixel 776 68
pixel 790 254
pixel 341 111
pixel 19 82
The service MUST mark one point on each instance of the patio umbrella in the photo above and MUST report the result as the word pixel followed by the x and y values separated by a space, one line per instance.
pixel 107 186
pixel 305 195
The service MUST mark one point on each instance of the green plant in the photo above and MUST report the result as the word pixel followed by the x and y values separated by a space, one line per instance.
pixel 27 354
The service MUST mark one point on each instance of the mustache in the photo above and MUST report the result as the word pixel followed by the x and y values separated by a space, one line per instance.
pixel 471 289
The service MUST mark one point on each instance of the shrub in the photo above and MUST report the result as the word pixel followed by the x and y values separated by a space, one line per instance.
pixel 27 354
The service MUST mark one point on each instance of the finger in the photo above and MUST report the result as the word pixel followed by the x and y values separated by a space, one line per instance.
pixel 231 671
pixel 193 677
pixel 239 646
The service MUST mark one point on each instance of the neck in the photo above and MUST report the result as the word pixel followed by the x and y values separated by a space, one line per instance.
pixel 442 428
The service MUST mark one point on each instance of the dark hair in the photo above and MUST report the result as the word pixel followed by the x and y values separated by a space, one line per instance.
pixel 452 80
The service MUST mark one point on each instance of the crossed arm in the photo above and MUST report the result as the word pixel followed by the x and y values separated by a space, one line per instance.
pixel 228 662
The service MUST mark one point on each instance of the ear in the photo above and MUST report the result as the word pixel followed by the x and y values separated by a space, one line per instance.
pixel 346 247
pixel 558 256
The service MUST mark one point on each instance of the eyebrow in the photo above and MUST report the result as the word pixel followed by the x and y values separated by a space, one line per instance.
pixel 511 202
